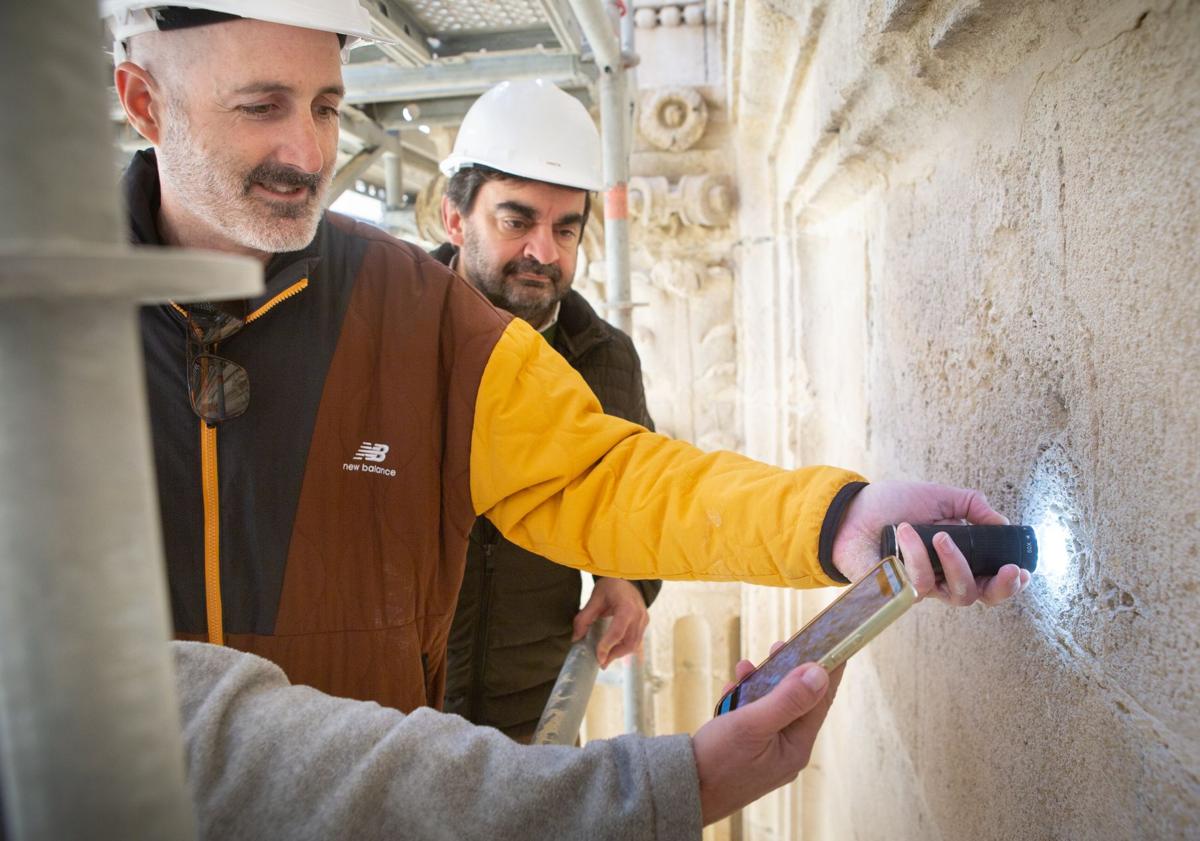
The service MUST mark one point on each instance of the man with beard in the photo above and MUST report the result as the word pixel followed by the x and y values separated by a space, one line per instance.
pixel 515 235
pixel 321 518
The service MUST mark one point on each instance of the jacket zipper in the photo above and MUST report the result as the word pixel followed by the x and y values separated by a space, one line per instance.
pixel 214 614
pixel 479 650
pixel 212 534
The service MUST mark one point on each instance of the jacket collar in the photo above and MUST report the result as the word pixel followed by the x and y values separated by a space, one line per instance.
pixel 579 328
pixel 143 196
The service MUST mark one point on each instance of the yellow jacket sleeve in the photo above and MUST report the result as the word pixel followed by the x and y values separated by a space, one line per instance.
pixel 562 479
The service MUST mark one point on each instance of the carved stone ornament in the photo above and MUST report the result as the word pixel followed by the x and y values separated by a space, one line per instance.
pixel 703 200
pixel 673 119
pixel 651 13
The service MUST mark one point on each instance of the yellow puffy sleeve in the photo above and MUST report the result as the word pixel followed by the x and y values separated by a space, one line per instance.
pixel 562 479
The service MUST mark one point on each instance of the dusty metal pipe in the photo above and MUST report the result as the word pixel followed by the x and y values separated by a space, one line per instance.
pixel 90 745
pixel 563 715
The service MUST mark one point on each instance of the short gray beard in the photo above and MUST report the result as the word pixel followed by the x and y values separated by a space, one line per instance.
pixel 216 194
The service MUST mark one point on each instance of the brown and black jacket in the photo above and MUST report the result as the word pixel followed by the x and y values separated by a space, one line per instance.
pixel 390 404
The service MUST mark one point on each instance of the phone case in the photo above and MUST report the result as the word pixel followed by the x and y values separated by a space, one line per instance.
pixel 870 629
pixel 867 630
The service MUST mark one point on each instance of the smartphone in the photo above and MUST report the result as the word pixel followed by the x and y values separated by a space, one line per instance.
pixel 849 622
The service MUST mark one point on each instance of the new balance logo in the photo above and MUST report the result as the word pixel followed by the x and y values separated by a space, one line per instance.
pixel 371 452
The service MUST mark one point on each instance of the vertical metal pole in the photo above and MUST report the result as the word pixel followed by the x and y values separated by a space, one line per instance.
pixel 613 120
pixel 90 744
pixel 393 182
pixel 634 685
pixel 616 138
pixel 598 27
pixel 622 297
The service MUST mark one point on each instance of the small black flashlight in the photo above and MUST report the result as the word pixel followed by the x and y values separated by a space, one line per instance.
pixel 986 548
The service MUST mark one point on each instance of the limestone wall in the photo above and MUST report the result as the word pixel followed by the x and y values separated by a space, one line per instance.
pixel 967 251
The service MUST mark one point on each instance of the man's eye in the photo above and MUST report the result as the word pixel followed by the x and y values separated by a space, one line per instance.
pixel 513 224
pixel 262 110
pixel 327 112
pixel 567 233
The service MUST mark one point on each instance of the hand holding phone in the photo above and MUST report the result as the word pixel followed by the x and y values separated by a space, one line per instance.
pixel 854 618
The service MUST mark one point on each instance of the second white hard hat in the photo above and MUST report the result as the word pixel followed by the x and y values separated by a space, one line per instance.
pixel 533 130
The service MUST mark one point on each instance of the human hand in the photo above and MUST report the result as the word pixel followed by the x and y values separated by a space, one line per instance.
pixel 856 545
pixel 755 749
pixel 622 600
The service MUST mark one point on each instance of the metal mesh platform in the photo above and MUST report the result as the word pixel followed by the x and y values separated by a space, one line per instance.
pixel 439 17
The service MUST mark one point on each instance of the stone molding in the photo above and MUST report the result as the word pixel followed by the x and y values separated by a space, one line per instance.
pixel 648 14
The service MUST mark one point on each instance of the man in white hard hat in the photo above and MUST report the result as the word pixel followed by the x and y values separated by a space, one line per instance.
pixel 525 158
pixel 323 449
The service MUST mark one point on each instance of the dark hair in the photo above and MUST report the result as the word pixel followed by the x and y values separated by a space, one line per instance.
pixel 463 187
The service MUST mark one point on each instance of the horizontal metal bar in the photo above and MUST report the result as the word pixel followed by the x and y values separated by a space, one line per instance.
pixel 468 77
pixel 504 41
pixel 441 112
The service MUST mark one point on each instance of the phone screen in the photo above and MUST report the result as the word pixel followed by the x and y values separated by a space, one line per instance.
pixel 842 618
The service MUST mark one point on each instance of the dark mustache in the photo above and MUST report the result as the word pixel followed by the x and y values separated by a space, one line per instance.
pixel 280 174
pixel 527 265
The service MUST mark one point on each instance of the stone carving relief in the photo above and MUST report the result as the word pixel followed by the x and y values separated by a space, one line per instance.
pixel 687 335
pixel 699 200
pixel 673 119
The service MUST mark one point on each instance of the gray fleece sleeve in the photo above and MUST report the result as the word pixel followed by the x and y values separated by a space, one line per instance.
pixel 266 760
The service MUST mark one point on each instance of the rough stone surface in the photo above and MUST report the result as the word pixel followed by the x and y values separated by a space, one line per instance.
pixel 968 253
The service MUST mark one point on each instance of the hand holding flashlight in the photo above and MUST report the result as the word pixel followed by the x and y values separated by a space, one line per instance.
pixel 856 545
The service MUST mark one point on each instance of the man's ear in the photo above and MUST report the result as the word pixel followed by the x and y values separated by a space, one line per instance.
pixel 452 221
pixel 141 98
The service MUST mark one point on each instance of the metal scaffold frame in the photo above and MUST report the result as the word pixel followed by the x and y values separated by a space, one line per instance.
pixel 90 744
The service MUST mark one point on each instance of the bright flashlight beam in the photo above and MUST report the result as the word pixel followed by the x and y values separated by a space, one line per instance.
pixel 1053 542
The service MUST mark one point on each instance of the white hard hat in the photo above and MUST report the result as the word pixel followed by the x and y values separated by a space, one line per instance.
pixel 533 130
pixel 126 18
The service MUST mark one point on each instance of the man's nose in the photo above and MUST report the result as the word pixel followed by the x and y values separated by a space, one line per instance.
pixel 540 244
pixel 300 145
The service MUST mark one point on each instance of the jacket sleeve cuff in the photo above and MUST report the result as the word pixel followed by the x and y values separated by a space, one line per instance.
pixel 648 587
pixel 830 526
pixel 674 787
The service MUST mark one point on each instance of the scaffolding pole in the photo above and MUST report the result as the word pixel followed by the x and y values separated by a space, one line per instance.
pixel 615 118
pixel 90 745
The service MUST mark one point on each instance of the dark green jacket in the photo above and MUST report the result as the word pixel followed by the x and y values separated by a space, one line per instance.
pixel 514 619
